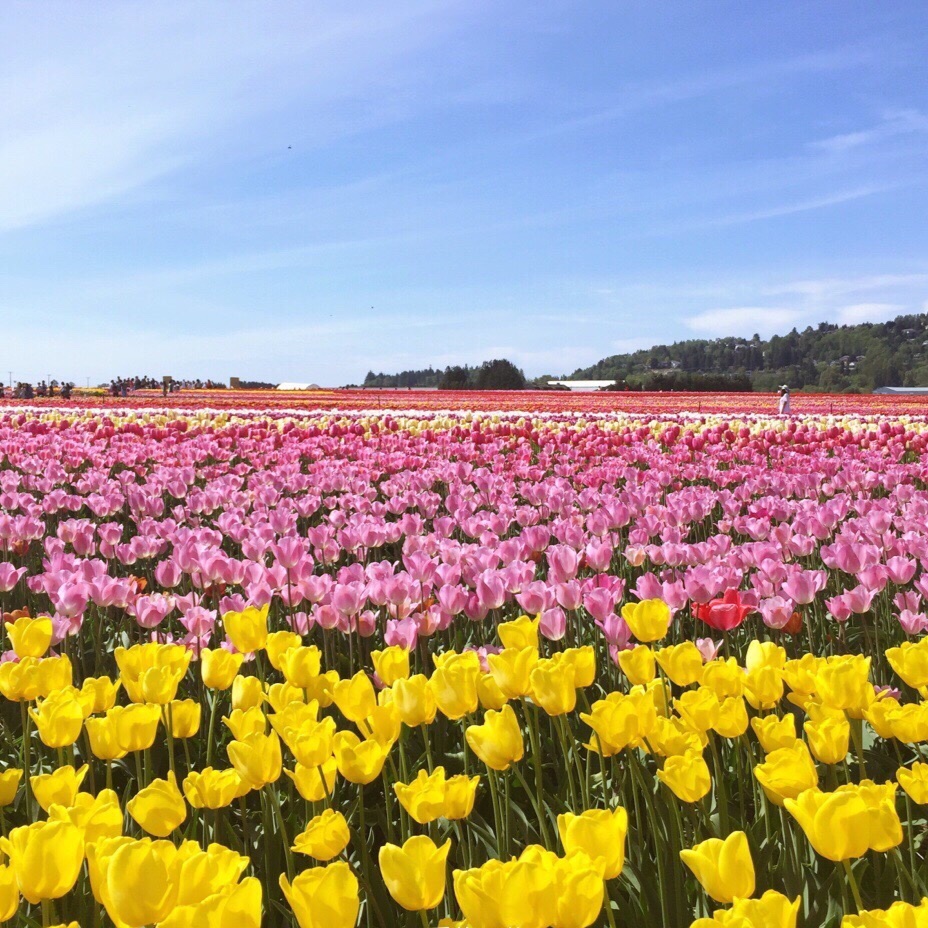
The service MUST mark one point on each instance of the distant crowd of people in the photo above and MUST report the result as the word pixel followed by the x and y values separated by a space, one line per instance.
pixel 119 386
pixel 123 386
pixel 26 391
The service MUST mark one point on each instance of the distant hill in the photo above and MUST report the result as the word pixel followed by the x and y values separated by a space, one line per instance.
pixel 828 358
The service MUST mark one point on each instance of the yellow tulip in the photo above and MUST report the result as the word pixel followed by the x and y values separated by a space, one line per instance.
pixel 914 780
pixel 152 672
pixel 424 797
pixel 219 667
pixel 383 725
pixel 699 708
pixel 415 873
pixel 212 789
pixel 104 738
pixel 829 739
pixel 648 620
pixel 9 893
pixel 312 742
pixel 159 808
pixel 315 783
pixel 391 664
pixel 98 694
pixel 257 759
pixel 843 682
pixel 97 816
pixel 724 677
pixel 9 783
pixel 530 889
pixel 849 821
pixel 454 684
pixel 415 701
pixel 553 686
pixel 799 675
pixel 898 915
pixel 247 630
pixel 325 837
pixel 59 719
pixel 53 673
pixel 598 833
pixel 724 868
pixel 489 694
pixel 519 633
pixel 136 725
pixel 59 787
pixel 580 891
pixel 687 776
pixel 245 722
pixel 184 715
pixel 479 893
pixel 247 693
pixel 787 772
pixel 774 732
pixel 20 680
pixel 324 897
pixel 763 686
pixel 460 792
pixel 203 872
pixel 764 654
pixel 135 880
pixel 511 670
pixel 772 910
pixel 681 662
pixel 322 688
pixel 910 661
pixel 733 718
pixel 358 761
pixel 498 741
pixel 281 695
pixel 909 723
pixel 232 906
pixel 619 721
pixel 355 698
pixel 301 665
pixel 277 645
pixel 46 858
pixel 638 665
pixel 582 662
pixel 30 637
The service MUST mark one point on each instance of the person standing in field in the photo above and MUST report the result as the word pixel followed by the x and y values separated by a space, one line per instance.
pixel 784 400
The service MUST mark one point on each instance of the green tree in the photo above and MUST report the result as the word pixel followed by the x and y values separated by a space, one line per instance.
pixel 499 374
pixel 454 378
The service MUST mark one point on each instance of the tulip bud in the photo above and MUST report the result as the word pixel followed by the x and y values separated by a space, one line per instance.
pixel 415 872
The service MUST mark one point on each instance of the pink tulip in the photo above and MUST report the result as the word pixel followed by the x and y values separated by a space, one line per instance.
pixel 10 576
pixel 553 624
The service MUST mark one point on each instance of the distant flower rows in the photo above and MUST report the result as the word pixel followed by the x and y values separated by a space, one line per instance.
pixel 497 670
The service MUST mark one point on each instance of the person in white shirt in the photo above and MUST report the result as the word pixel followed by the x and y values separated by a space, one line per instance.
pixel 784 400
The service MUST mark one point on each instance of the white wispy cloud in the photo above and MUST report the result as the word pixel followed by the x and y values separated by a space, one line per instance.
pixel 803 205
pixel 99 101
pixel 894 123
pixel 742 320
pixel 868 312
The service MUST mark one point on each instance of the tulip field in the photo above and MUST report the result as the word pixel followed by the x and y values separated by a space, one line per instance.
pixel 561 662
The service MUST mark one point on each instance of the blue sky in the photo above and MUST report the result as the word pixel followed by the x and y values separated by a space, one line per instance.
pixel 304 191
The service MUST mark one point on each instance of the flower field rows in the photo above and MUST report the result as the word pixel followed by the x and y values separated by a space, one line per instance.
pixel 468 401
pixel 542 669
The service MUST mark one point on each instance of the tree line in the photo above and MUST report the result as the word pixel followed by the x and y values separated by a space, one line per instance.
pixel 827 358
pixel 498 374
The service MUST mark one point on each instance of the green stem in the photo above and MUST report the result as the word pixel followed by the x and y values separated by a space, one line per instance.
pixel 275 805
pixel 854 888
